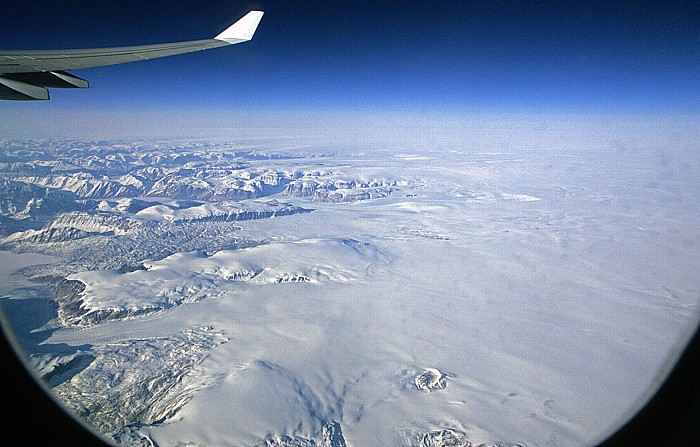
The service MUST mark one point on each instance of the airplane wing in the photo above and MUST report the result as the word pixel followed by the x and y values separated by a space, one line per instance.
pixel 27 75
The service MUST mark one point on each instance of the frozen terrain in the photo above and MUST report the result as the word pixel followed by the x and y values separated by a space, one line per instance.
pixel 207 294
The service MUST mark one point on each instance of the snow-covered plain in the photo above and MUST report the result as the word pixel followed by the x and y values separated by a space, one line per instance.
pixel 441 296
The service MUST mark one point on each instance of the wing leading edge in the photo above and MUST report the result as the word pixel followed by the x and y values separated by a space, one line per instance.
pixel 26 75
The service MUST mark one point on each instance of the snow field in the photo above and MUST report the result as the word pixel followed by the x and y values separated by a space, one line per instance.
pixel 544 289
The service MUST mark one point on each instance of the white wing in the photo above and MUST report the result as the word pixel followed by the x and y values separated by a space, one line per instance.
pixel 26 75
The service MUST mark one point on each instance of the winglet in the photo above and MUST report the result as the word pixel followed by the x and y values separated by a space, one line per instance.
pixel 243 29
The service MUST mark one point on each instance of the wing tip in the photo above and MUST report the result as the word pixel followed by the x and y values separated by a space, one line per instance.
pixel 243 29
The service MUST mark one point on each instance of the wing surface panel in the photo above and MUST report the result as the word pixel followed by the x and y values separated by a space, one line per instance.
pixel 51 60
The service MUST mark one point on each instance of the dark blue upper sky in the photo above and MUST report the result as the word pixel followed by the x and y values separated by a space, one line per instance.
pixel 368 55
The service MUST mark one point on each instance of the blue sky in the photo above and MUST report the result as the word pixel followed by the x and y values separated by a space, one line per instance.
pixel 512 57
